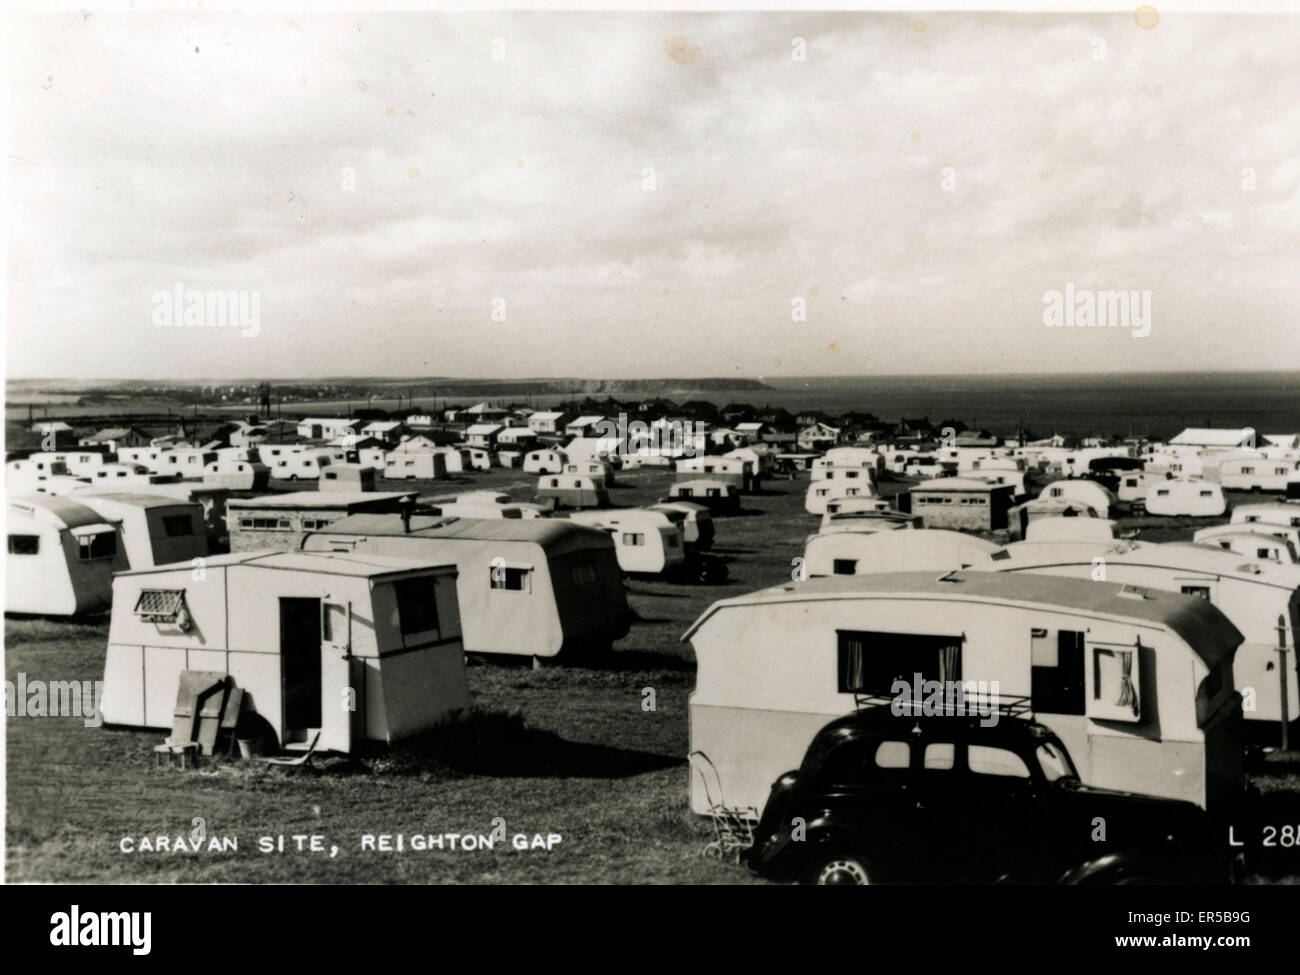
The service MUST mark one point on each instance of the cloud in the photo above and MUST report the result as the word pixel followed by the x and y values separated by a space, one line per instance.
pixel 381 178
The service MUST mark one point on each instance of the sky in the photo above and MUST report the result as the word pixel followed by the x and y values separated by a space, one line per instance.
pixel 648 195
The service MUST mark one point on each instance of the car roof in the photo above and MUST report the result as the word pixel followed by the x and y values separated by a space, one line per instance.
pixel 871 722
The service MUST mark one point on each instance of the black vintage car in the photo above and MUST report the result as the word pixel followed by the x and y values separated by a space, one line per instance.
pixel 882 798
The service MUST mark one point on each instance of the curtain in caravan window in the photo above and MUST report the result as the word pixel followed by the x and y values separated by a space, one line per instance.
pixel 1113 678
pixel 1128 693
pixel 950 662
pixel 870 662
pixel 852 672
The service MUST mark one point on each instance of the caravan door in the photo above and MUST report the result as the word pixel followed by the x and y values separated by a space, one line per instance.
pixel 338 693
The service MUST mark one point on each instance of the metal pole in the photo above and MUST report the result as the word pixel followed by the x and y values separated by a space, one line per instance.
pixel 1282 683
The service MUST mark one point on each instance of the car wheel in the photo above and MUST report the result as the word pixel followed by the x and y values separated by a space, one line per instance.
pixel 837 867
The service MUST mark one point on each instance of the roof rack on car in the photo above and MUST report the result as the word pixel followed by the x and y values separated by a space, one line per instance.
pixel 970 703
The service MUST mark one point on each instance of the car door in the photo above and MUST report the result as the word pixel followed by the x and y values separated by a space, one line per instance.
pixel 939 811
pixel 1003 799
pixel 863 791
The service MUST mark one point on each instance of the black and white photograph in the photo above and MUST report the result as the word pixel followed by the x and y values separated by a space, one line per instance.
pixel 651 446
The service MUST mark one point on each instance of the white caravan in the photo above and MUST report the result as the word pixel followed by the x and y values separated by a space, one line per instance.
pixel 923 550
pixel 1257 474
pixel 61 556
pixel 645 542
pixel 1090 493
pixel 544 462
pixel 1134 485
pixel 1186 497
pixel 1286 533
pixel 155 529
pixel 298 632
pixel 237 475
pixel 1254 545
pixel 184 463
pixel 1281 513
pixel 1064 529
pixel 1138 685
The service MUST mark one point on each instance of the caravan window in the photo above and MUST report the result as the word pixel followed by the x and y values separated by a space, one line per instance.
pixel 1056 674
pixel 1116 684
pixel 845 567
pixel 505 578
pixel 633 538
pixel 101 545
pixel 1202 591
pixel 1207 494
pixel 24 544
pixel 177 525
pixel 870 662
pixel 417 606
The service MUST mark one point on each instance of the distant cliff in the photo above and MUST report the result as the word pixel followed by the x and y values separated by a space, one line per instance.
pixel 579 387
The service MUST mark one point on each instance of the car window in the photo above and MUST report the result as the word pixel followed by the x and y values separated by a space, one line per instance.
pixel 939 755
pixel 893 754
pixel 986 760
pixel 1054 762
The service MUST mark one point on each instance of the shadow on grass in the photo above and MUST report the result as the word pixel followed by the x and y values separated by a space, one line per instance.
pixel 498 743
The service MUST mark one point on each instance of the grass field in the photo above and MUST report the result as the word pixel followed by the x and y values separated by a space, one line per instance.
pixel 569 751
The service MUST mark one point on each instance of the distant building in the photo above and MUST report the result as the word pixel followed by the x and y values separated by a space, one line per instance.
pixel 962 503
pixel 280 521
pixel 1212 437
pixel 326 428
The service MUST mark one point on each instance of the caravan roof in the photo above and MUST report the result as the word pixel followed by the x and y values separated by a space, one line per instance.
pixel 1172 555
pixel 553 534
pixel 1197 623
pixel 136 499
pixel 327 563
pixel 324 499
pixel 56 511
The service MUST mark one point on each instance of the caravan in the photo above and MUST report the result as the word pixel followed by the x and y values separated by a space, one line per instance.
pixel 1137 684
pixel 1085 492
pixel 646 542
pixel 736 471
pixel 1253 545
pixel 1186 497
pixel 720 498
pixel 1290 535
pixel 237 474
pixel 1283 513
pixel 155 529
pixel 61 557
pixel 821 494
pixel 544 462
pixel 925 550
pixel 696 522
pixel 526 588
pixel 422 465
pixel 1257 474
pixel 296 631
pixel 1134 485
pixel 184 463
pixel 572 491
pixel 306 464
